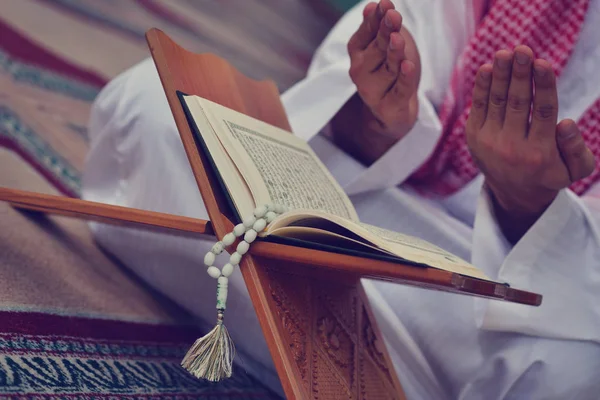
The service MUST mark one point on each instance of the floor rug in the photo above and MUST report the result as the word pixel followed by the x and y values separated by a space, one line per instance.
pixel 45 356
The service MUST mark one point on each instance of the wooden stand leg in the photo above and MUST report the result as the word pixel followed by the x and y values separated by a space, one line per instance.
pixel 328 345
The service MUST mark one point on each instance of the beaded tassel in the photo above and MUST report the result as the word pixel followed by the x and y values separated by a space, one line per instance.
pixel 211 356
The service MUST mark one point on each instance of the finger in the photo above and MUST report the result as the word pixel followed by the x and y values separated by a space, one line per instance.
pixel 372 86
pixel 499 88
pixel 578 158
pixel 519 92
pixel 366 33
pixel 375 53
pixel 545 101
pixel 398 97
pixel 369 9
pixel 481 95
pixel 391 22
pixel 394 57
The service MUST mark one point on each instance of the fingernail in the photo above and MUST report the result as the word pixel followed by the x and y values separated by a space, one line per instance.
pixel 392 45
pixel 485 74
pixel 540 71
pixel 522 58
pixel 502 63
pixel 406 67
pixel 388 21
pixel 569 133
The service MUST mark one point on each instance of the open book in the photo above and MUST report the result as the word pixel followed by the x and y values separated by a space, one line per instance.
pixel 257 164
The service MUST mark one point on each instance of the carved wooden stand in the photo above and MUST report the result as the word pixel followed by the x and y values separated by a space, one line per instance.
pixel 315 316
pixel 323 348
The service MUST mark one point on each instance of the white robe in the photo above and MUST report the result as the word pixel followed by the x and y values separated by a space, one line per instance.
pixel 444 346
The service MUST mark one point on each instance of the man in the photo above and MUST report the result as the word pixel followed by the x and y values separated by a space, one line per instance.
pixel 392 87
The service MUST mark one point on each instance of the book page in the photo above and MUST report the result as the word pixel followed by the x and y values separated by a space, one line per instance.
pixel 405 240
pixel 418 250
pixel 236 186
pixel 400 245
pixel 277 166
pixel 394 239
pixel 325 237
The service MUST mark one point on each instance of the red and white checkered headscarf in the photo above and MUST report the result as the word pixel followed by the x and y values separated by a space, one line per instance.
pixel 551 28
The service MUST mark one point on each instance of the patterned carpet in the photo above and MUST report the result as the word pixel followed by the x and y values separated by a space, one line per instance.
pixel 74 324
pixel 53 357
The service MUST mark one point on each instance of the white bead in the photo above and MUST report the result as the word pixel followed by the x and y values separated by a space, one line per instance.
pixel 250 236
pixel 278 208
pixel 223 281
pixel 228 239
pixel 270 216
pixel 235 258
pixel 249 221
pixel 259 225
pixel 213 272
pixel 239 230
pixel 270 207
pixel 209 259
pixel 217 248
pixel 243 247
pixel 222 292
pixel 227 270
pixel 260 212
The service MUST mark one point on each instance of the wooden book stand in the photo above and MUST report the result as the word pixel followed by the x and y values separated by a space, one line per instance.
pixel 313 312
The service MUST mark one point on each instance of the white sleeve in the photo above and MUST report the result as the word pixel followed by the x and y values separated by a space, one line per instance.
pixel 312 103
pixel 559 257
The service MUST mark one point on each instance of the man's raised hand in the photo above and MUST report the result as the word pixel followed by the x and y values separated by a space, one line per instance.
pixel 383 68
pixel 513 136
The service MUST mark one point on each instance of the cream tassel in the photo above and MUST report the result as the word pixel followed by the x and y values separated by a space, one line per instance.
pixel 211 356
